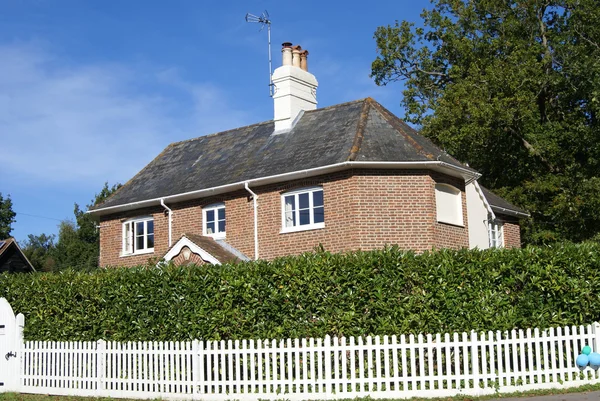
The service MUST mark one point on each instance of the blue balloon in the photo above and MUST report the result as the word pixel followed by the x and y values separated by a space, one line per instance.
pixel 582 360
pixel 594 359
pixel 586 350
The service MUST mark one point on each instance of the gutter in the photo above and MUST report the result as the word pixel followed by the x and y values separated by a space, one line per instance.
pixel 452 170
pixel 170 212
pixel 510 211
pixel 254 200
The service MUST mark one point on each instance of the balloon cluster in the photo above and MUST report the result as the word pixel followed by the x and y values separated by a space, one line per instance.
pixel 588 357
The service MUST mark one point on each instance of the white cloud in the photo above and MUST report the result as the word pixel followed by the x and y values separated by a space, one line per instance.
pixel 67 123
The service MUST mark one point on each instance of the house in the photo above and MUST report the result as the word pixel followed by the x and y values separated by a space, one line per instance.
pixel 350 176
pixel 12 259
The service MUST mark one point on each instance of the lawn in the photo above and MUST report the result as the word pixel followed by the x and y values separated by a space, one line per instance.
pixel 585 388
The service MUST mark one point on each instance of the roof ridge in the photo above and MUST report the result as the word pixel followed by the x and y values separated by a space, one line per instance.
pixel 393 121
pixel 268 121
pixel 360 129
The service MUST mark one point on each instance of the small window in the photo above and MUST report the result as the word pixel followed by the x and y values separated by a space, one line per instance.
pixel 448 202
pixel 138 236
pixel 214 220
pixel 302 209
pixel 496 234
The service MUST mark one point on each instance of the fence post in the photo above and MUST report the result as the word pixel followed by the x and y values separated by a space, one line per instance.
pixel 101 366
pixel 197 364
pixel 19 346
pixel 327 351
pixel 475 362
pixel 596 332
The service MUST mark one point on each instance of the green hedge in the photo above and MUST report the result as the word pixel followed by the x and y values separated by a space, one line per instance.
pixel 381 292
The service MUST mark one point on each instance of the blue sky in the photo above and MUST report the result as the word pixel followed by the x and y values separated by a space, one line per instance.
pixel 91 91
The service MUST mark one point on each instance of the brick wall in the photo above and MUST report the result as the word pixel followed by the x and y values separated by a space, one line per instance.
pixel 395 207
pixel 364 209
pixel 512 234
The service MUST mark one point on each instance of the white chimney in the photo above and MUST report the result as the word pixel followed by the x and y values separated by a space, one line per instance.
pixel 295 87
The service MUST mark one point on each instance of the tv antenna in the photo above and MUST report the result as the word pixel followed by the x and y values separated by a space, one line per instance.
pixel 264 20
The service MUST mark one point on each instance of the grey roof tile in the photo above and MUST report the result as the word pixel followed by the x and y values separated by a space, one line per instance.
pixel 361 130
pixel 501 205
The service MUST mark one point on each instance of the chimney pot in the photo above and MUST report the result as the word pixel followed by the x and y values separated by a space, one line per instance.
pixel 286 53
pixel 296 50
pixel 304 60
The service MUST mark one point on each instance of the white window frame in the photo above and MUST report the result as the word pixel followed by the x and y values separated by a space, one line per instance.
pixel 496 227
pixel 214 207
pixel 296 193
pixel 448 201
pixel 129 236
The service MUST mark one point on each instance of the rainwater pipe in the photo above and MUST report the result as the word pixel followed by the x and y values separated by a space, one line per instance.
pixel 162 202
pixel 254 199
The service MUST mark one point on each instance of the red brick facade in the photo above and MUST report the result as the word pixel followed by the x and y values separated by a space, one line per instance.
pixel 512 234
pixel 364 209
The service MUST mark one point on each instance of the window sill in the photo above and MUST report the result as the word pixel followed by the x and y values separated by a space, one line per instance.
pixel 144 252
pixel 449 223
pixel 216 236
pixel 302 228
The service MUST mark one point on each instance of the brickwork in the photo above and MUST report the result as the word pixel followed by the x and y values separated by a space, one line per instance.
pixel 395 207
pixel 193 259
pixel 512 234
pixel 364 209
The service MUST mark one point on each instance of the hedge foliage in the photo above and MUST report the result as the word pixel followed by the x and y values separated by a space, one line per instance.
pixel 359 293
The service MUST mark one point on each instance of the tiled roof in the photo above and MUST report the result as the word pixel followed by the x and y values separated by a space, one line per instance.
pixel 212 247
pixel 362 130
pixel 500 205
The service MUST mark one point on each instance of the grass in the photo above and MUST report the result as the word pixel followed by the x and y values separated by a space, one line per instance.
pixel 581 389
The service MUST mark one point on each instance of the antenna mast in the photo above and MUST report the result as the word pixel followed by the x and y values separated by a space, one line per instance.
pixel 263 20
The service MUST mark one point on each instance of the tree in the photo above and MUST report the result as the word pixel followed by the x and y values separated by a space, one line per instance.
pixel 78 245
pixel 512 88
pixel 7 216
pixel 40 250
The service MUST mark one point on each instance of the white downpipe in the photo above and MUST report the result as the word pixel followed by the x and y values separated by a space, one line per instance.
pixel 162 202
pixel 254 199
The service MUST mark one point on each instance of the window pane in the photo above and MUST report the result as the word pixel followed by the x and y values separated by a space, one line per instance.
pixel 210 215
pixel 139 228
pixel 221 213
pixel 151 241
pixel 290 216
pixel 150 227
pixel 304 217
pixel 319 215
pixel 210 228
pixel 222 226
pixel 318 198
pixel 128 237
pixel 303 201
pixel 139 242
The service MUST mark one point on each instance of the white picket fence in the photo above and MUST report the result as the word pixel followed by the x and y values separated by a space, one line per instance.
pixel 329 368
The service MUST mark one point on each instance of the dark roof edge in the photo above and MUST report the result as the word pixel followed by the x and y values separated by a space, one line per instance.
pixel 11 241
pixel 439 166
pixel 510 212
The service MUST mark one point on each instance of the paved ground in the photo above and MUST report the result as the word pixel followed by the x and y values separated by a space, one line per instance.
pixel 589 396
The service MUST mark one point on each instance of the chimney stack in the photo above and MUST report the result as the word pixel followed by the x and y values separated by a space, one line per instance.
pixel 295 87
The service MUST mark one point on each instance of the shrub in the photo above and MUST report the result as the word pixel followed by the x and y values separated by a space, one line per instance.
pixel 380 292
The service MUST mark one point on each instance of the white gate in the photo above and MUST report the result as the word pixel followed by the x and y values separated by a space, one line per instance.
pixel 11 338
